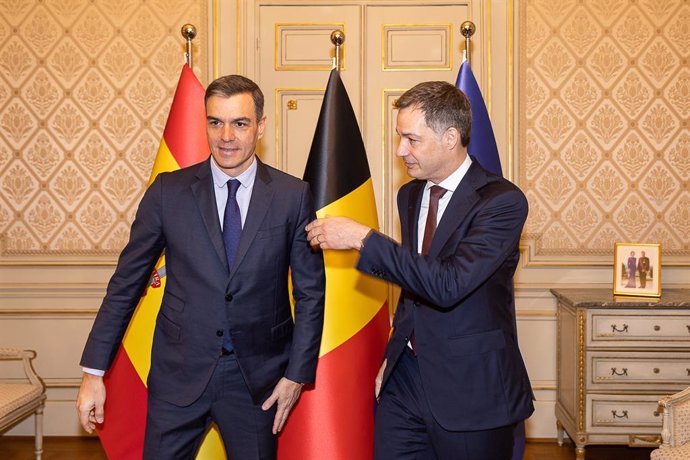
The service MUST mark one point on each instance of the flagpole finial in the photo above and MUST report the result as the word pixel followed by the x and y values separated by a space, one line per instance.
pixel 188 31
pixel 337 38
pixel 467 29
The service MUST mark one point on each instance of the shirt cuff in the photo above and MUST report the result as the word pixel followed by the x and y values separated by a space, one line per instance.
pixel 96 372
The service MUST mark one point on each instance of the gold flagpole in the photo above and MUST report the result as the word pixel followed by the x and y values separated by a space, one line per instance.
pixel 337 38
pixel 467 29
pixel 188 32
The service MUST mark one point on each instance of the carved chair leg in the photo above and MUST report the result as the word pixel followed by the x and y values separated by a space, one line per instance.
pixel 39 432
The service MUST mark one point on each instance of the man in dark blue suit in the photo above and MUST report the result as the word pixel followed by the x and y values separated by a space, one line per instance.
pixel 453 383
pixel 225 346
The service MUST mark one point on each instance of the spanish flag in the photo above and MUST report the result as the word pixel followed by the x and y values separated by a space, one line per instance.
pixel 335 419
pixel 122 435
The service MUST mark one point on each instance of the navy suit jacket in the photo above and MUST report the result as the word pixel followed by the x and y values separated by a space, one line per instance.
pixel 203 295
pixel 459 301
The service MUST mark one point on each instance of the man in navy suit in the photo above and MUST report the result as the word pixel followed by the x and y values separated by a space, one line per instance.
pixel 225 346
pixel 453 383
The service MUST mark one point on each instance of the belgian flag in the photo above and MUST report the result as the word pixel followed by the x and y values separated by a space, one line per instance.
pixel 335 419
pixel 122 435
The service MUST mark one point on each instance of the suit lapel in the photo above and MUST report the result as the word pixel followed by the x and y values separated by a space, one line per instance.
pixel 462 201
pixel 414 204
pixel 206 201
pixel 262 195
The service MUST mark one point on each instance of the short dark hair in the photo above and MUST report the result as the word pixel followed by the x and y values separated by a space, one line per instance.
pixel 229 85
pixel 444 106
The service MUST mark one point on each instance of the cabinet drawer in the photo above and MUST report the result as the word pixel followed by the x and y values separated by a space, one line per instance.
pixel 634 413
pixel 638 370
pixel 615 328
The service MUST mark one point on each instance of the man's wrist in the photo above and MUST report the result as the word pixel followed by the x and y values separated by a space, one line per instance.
pixel 93 372
pixel 363 241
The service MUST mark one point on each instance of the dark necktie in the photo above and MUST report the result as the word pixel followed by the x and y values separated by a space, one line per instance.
pixel 232 222
pixel 435 194
pixel 232 228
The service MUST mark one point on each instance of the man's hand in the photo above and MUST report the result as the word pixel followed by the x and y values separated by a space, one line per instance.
pixel 336 233
pixel 90 401
pixel 379 380
pixel 286 394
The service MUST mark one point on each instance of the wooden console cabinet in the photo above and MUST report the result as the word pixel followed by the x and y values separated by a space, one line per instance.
pixel 616 358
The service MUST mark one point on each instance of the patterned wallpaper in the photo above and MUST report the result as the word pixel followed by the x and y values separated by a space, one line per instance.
pixel 604 134
pixel 85 89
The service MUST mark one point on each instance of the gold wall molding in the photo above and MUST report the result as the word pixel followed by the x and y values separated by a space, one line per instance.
pixel 295 106
pixel 603 130
pixel 306 46
pixel 422 47
pixel 392 175
pixel 543 385
pixel 85 89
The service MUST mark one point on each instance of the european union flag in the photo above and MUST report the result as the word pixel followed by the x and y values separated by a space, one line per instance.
pixel 483 148
pixel 482 141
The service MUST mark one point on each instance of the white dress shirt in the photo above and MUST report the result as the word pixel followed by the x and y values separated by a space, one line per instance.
pixel 244 192
pixel 450 183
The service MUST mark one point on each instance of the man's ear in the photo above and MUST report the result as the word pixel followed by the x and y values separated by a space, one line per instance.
pixel 451 138
pixel 261 127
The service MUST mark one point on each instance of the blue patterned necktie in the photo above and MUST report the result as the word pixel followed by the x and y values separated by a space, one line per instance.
pixel 232 223
pixel 232 228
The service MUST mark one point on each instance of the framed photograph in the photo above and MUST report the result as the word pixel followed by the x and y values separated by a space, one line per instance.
pixel 637 269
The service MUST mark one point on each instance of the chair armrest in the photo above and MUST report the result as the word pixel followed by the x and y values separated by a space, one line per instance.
pixel 675 431
pixel 13 353
pixel 676 399
pixel 26 356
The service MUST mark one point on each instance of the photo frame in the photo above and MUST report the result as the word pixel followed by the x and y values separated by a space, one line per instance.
pixel 637 269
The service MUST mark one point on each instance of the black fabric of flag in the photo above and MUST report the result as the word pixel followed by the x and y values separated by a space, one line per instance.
pixel 337 162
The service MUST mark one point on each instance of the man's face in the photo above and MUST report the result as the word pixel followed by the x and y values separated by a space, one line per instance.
pixel 427 155
pixel 642 254
pixel 233 131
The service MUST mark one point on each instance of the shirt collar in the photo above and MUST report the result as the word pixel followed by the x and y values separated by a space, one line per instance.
pixel 220 179
pixel 451 182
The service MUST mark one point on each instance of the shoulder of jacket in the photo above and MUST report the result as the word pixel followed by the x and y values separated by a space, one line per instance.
pixel 283 177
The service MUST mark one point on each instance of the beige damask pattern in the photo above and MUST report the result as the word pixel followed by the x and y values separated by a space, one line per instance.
pixel 85 89
pixel 604 125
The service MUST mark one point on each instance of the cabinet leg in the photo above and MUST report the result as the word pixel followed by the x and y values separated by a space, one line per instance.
pixel 580 453
pixel 559 433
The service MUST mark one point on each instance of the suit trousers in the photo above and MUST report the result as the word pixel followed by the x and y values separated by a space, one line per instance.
pixel 176 432
pixel 406 429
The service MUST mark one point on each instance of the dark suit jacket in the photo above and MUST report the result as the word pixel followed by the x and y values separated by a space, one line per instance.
pixel 203 296
pixel 459 301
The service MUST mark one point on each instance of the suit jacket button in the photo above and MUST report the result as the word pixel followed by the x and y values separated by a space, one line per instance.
pixel 228 297
pixel 219 333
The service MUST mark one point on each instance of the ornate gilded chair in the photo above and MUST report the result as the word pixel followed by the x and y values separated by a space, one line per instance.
pixel 21 398
pixel 675 432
